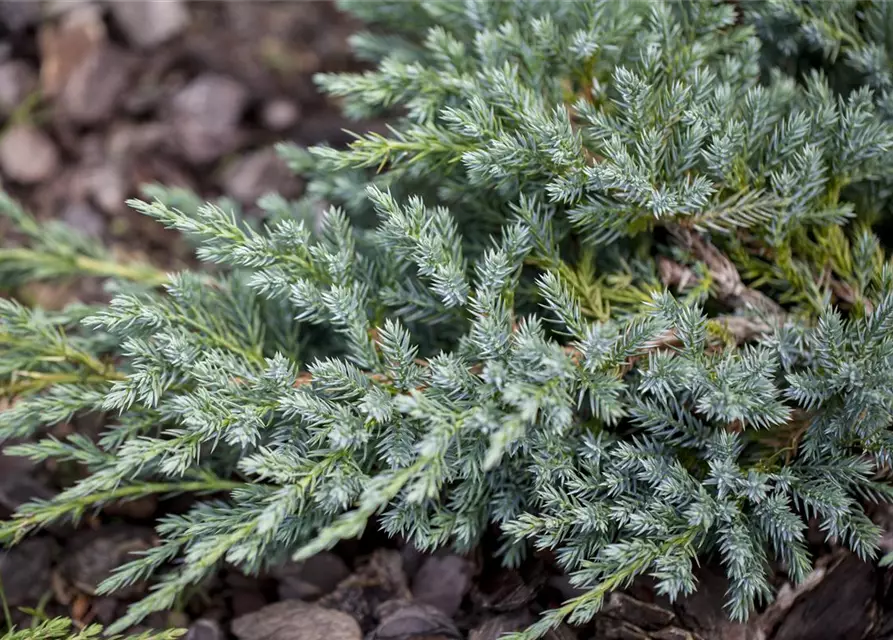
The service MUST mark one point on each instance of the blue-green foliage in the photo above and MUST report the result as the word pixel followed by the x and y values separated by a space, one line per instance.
pixel 609 285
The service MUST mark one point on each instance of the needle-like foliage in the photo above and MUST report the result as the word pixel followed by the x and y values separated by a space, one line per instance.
pixel 614 286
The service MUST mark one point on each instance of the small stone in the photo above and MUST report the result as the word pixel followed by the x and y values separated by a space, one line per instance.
pixel 645 615
pixel 27 155
pixel 55 8
pixel 245 601
pixel 443 582
pixel 17 16
pixel 17 81
pixel 562 584
pixel 495 628
pixel 205 630
pixel 378 580
pixel 840 606
pixel 18 484
pixel 149 23
pixel 312 578
pixel 93 555
pixel 611 629
pixel 84 218
pixel 126 141
pixel 672 633
pixel 206 115
pixel 402 620
pixel 105 609
pixel 506 590
pixel 107 187
pixel 27 571
pixel 255 175
pixel 280 114
pixel 410 555
pixel 702 610
pixel 93 90
pixel 64 47
pixel 296 620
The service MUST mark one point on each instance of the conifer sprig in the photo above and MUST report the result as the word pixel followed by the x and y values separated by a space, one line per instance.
pixel 614 284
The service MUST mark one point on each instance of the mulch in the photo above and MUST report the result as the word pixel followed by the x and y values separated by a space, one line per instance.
pixel 97 99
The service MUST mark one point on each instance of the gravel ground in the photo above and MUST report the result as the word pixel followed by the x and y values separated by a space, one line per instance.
pixel 99 98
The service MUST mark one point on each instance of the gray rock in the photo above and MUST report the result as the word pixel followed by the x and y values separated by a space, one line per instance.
pixel 205 630
pixel 702 611
pixel 93 555
pixel 17 15
pixel 94 89
pixel 56 8
pixel 27 571
pixel 28 155
pixel 443 582
pixel 296 620
pixel 496 627
pixel 17 81
pixel 66 44
pixel 507 590
pixel 841 606
pixel 647 616
pixel 105 608
pixel 19 484
pixel 377 580
pixel 280 114
pixel 148 23
pixel 562 584
pixel 206 115
pixel 244 601
pixel 312 578
pixel 84 218
pixel 107 187
pixel 672 633
pixel 403 620
pixel 255 175
pixel 129 140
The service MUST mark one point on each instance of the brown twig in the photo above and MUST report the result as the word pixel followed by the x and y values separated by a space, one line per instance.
pixel 730 289
pixel 741 328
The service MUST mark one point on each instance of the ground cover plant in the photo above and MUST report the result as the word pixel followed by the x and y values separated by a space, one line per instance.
pixel 615 285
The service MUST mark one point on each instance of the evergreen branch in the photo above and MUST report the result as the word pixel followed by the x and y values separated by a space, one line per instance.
pixel 38 514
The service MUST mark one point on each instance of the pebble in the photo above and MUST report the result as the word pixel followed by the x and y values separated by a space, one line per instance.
pixel 403 620
pixel 378 579
pixel 67 44
pixel 93 555
pixel 206 114
pixel 84 218
pixel 315 577
pixel 54 8
pixel 19 484
pixel 648 616
pixel 255 175
pixel 107 187
pixel 28 155
pixel 296 620
pixel 17 81
pixel 443 582
pixel 17 15
pixel 27 571
pixel 205 630
pixel 280 114
pixel 94 89
pixel 149 23
pixel 498 626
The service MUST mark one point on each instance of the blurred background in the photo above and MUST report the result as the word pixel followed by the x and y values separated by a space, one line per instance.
pixel 98 98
